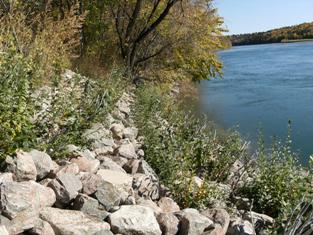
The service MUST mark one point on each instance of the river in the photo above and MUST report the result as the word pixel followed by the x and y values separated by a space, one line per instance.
pixel 263 87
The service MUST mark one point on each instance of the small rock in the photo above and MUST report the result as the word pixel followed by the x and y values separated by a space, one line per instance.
pixel 109 164
pixel 117 130
pixel 131 166
pixel 168 223
pixel 134 220
pixel 140 153
pixel 42 228
pixel 16 197
pixel 90 182
pixel 71 168
pixel 108 195
pixel 149 203
pixel 86 165
pixel 22 166
pixel 66 188
pixel 239 227
pixel 44 164
pixel 192 222
pixel 168 205
pixel 127 151
pixel 72 222
pixel 89 206
pixel 146 186
pixel 130 133
pixel 221 220
pixel 23 221
pixel 116 178
pixel 145 168
pixel 259 221
pixel 6 177
pixel 121 161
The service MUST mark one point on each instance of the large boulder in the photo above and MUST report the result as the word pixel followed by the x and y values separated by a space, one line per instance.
pixel 22 166
pixel 168 205
pixel 192 222
pixel 66 188
pixel 108 195
pixel 168 223
pixel 146 186
pixel 134 220
pixel 221 220
pixel 72 222
pixel 89 206
pixel 43 162
pixel 16 197
pixel 23 221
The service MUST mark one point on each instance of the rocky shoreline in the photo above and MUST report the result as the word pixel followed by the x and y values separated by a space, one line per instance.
pixel 107 189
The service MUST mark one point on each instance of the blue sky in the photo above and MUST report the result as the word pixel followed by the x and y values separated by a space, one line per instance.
pixel 246 16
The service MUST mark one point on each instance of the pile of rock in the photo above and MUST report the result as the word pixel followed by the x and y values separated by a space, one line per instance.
pixel 108 189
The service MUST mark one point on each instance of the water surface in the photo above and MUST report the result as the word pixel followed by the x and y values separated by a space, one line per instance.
pixel 265 85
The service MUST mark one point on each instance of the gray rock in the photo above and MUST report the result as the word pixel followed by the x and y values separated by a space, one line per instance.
pixel 108 195
pixel 16 197
pixel 240 227
pixel 130 133
pixel 23 221
pixel 71 168
pixel 127 150
pixel 116 178
pixel 221 220
pixel 146 186
pixel 134 220
pixel 149 203
pixel 109 164
pixel 145 168
pixel 117 130
pixel 96 132
pixel 42 228
pixel 168 205
pixel 90 182
pixel 192 222
pixel 131 166
pixel 259 221
pixel 86 164
pixel 72 222
pixel 6 177
pixel 168 223
pixel 104 232
pixel 43 162
pixel 4 221
pixel 22 166
pixel 3 230
pixel 89 206
pixel 66 188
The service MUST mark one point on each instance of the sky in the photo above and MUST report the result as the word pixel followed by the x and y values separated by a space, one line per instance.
pixel 247 16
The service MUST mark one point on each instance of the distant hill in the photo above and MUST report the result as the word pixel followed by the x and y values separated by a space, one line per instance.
pixel 286 34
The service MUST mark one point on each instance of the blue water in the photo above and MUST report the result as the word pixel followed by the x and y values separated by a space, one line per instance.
pixel 265 85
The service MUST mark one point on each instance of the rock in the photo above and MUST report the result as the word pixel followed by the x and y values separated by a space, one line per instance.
pixel 121 161
pixel 22 166
pixel 103 151
pixel 239 227
pixel 23 221
pixel 117 130
pixel 90 182
pixel 108 195
pixel 109 164
pixel 221 220
pixel 146 186
pixel 4 221
pixel 72 222
pixel 86 165
pixel 123 107
pixel 168 223
pixel 168 205
pixel 192 222
pixel 149 203
pixel 130 133
pixel 116 178
pixel 16 197
pixel 66 188
pixel 6 177
pixel 44 164
pixel 42 228
pixel 140 153
pixel 259 221
pixel 89 206
pixel 145 168
pixel 3 230
pixel 104 232
pixel 131 166
pixel 127 150
pixel 134 220
pixel 71 168
pixel 96 132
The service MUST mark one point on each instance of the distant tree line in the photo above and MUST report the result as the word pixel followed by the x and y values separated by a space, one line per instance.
pixel 297 32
